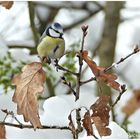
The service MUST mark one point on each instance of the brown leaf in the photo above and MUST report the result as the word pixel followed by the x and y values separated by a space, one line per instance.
pixel 87 124
pixel 103 131
pixel 2 132
pixel 108 79
pixel 28 85
pixel 6 4
pixel 133 103
pixel 100 115
pixel 71 125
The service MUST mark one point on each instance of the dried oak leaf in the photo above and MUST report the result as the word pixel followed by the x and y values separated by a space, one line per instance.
pixel 87 124
pixel 108 79
pixel 100 115
pixel 2 132
pixel 7 4
pixel 132 104
pixel 28 85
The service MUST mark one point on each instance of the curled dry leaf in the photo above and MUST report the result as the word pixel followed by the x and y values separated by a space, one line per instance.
pixel 108 79
pixel 71 125
pixel 2 132
pixel 28 85
pixel 7 4
pixel 133 103
pixel 100 115
pixel 87 124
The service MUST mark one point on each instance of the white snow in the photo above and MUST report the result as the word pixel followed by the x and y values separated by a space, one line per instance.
pixel 57 109
pixel 134 122
pixel 117 132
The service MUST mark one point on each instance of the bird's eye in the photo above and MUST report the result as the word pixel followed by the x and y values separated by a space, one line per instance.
pixel 57 25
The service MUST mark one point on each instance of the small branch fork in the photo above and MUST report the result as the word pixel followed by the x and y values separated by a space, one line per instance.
pixel 136 50
pixel 22 126
pixel 78 74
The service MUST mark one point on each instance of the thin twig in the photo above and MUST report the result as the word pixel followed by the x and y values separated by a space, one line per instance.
pixel 84 29
pixel 123 89
pixel 64 69
pixel 21 126
pixel 69 85
pixel 30 126
pixel 82 20
pixel 10 113
pixel 84 6
pixel 87 81
pixel 136 50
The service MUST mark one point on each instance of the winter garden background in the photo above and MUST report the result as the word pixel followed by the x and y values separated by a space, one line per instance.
pixel 113 33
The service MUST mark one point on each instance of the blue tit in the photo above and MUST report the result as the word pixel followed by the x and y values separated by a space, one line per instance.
pixel 52 44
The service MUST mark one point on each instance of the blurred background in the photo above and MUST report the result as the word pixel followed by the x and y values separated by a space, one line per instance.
pixel 114 30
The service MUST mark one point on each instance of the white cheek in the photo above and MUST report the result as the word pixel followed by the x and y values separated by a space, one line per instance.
pixel 53 33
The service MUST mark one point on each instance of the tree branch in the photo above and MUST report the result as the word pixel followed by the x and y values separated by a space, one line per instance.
pixel 123 89
pixel 32 23
pixel 84 29
pixel 69 85
pixel 64 69
pixel 67 5
pixel 82 20
pixel 30 126
pixel 31 49
pixel 136 50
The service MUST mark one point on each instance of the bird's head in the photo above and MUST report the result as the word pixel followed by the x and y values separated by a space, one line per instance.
pixel 55 30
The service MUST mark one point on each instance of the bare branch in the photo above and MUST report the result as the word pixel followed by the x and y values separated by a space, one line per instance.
pixel 31 49
pixel 32 23
pixel 123 88
pixel 70 5
pixel 84 29
pixel 69 85
pixel 136 50
pixel 64 69
pixel 90 15
pixel 30 126
pixel 87 81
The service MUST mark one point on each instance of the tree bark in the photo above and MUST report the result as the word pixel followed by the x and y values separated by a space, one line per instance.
pixel 108 44
pixel 107 47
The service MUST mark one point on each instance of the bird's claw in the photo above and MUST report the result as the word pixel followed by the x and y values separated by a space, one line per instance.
pixel 46 60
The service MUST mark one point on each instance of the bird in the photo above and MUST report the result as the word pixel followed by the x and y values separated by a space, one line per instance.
pixel 52 43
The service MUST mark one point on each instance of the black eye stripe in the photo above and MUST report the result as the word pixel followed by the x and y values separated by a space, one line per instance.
pixel 55 30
